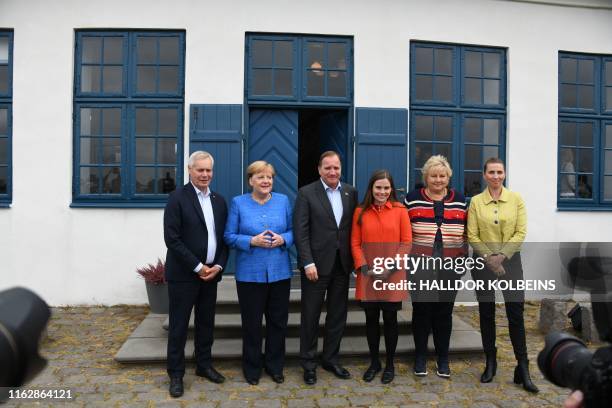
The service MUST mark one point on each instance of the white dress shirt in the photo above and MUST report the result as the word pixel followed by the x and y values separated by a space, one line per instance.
pixel 209 218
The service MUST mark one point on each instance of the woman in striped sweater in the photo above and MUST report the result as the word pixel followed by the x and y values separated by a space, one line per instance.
pixel 438 219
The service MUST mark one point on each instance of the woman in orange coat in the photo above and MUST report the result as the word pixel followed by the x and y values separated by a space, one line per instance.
pixel 381 229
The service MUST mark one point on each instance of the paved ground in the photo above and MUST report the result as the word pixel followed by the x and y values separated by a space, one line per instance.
pixel 82 341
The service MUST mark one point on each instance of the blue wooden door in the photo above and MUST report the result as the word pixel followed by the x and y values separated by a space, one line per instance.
pixel 333 129
pixel 380 138
pixel 273 137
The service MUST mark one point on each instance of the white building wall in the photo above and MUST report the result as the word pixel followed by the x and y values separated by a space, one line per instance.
pixel 89 256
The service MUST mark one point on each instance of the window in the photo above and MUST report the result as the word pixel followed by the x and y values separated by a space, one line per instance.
pixel 458 109
pixel 129 98
pixel 585 131
pixel 6 103
pixel 299 68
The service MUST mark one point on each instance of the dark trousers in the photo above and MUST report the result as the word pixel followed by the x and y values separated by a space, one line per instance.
pixel 313 294
pixel 183 296
pixel 272 301
pixel 515 305
pixel 435 318
pixel 373 333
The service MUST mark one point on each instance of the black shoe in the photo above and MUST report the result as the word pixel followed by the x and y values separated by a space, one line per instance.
pixel 420 366
pixel 277 378
pixel 521 376
pixel 176 387
pixel 490 367
pixel 443 370
pixel 253 381
pixel 371 372
pixel 337 370
pixel 310 377
pixel 388 375
pixel 211 374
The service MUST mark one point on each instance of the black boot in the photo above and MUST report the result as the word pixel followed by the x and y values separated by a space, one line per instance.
pixel 521 376
pixel 490 367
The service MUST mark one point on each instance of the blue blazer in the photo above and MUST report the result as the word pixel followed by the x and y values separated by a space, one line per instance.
pixel 248 218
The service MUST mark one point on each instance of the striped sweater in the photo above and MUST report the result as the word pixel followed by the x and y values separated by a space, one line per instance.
pixel 424 227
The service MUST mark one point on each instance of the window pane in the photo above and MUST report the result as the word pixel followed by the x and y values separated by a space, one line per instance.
pixel 473 157
pixel 336 56
pixel 568 96
pixel 145 150
pixel 444 150
pixel 491 131
pixel 3 122
pixel 568 176
pixel 569 69
pixel 472 184
pixel 145 182
pixel 262 82
pixel 443 128
pixel 423 59
pixel 283 54
pixel 444 60
pixel 90 150
pixel 282 82
pixel 492 65
pixel 113 50
pixel 111 180
pixel 473 63
pixel 147 50
pixel 112 122
pixel 585 160
pixel 424 87
pixel 609 98
pixel 585 186
pixel 113 79
pixel 4 79
pixel 585 96
pixel 444 89
pixel 491 91
pixel 608 135
pixel 168 79
pixel 316 55
pixel 3 150
pixel 169 50
pixel 609 73
pixel 168 183
pixel 4 50
pixel 90 79
pixel 92 50
pixel 585 71
pixel 489 151
pixel 90 181
pixel 146 79
pixel 262 53
pixel 90 121
pixel 472 90
pixel 585 134
pixel 423 127
pixel 168 122
pixel 608 161
pixel 336 83
pixel 145 122
pixel 607 188
pixel 423 152
pixel 568 133
pixel 315 83
pixel 471 130
pixel 3 180
pixel 111 151
pixel 166 151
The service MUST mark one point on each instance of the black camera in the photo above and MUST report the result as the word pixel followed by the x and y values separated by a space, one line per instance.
pixel 565 360
pixel 23 317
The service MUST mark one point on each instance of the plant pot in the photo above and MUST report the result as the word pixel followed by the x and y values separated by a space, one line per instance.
pixel 158 297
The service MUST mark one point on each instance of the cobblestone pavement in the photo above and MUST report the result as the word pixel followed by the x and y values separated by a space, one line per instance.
pixel 82 341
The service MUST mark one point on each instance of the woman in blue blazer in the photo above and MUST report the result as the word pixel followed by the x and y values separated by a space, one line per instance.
pixel 259 227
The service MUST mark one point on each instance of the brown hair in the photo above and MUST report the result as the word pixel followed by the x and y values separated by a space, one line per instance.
pixel 492 160
pixel 329 153
pixel 368 199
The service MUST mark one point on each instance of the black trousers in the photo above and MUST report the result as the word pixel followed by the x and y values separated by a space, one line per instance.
pixel 514 301
pixel 183 296
pixel 256 301
pixel 390 329
pixel 335 285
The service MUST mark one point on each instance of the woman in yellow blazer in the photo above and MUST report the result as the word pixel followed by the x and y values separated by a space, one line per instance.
pixel 497 225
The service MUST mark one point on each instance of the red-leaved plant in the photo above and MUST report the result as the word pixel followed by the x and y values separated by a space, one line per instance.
pixel 153 273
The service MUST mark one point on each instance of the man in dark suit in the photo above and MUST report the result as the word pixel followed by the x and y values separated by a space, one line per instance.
pixel 322 232
pixel 194 222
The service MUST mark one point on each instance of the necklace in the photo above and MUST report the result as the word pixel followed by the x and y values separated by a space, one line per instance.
pixel 259 201
pixel 438 196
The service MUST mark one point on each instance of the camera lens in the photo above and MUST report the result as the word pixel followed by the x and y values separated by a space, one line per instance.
pixel 564 359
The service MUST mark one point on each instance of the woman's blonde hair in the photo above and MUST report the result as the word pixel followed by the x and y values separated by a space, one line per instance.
pixel 259 166
pixel 436 161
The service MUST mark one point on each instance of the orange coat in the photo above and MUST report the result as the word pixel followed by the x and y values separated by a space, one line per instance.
pixel 390 228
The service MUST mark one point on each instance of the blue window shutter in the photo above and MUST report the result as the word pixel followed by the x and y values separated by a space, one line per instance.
pixel 381 137
pixel 217 129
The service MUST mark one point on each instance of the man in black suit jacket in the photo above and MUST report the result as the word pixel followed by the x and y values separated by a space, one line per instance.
pixel 322 221
pixel 194 222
